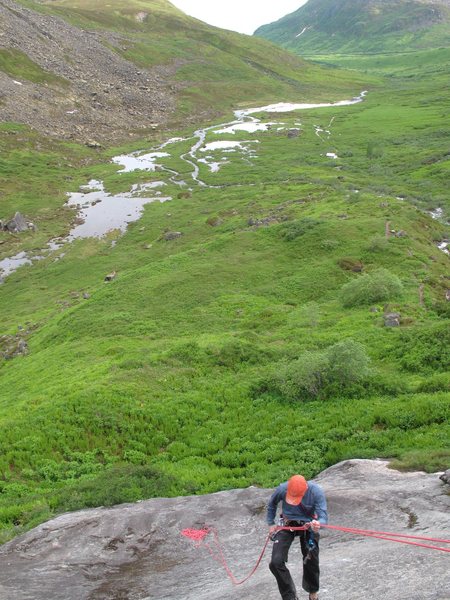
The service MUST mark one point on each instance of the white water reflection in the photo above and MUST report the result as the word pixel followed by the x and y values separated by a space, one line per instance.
pixel 289 106
pixel 437 213
pixel 445 247
pixel 248 126
pixel 11 264
pixel 225 144
pixel 102 212
pixel 134 162
pixel 98 214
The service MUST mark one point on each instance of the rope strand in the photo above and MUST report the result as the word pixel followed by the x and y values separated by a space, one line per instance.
pixel 199 535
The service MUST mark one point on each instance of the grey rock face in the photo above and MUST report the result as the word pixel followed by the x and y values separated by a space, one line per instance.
pixel 17 224
pixel 12 346
pixel 136 552
pixel 172 235
pixel 392 319
pixel 100 95
pixel 445 477
pixel 293 133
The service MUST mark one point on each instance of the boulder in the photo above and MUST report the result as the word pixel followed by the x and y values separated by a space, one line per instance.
pixel 172 235
pixel 392 319
pixel 17 224
pixel 445 477
pixel 110 276
pixel 12 346
pixel 293 133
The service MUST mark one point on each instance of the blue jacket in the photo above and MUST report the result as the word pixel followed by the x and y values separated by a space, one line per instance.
pixel 313 503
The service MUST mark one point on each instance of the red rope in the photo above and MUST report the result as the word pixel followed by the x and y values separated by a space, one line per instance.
pixel 398 535
pixel 394 537
pixel 199 535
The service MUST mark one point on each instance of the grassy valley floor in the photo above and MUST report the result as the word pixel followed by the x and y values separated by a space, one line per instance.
pixel 252 345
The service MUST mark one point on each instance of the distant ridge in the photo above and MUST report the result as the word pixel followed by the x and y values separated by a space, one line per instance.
pixel 323 26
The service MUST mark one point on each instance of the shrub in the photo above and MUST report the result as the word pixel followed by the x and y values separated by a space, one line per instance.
pixel 304 377
pixel 379 243
pixel 293 230
pixel 347 362
pixel 235 352
pixel 381 285
pixel 342 369
pixel 374 150
pixel 329 244
pixel 436 383
pixel 425 349
pixel 114 486
pixel 351 264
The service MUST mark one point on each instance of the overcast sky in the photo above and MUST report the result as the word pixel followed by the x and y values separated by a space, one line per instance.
pixel 239 15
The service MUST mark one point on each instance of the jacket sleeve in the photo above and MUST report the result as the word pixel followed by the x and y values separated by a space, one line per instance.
pixel 272 506
pixel 320 506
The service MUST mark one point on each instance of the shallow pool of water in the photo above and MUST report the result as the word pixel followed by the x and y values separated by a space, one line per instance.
pixel 134 162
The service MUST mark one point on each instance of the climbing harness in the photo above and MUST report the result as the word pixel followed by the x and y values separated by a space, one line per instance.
pixel 199 536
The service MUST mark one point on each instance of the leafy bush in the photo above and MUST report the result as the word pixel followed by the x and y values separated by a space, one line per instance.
pixel 381 285
pixel 292 231
pixel 426 349
pixel 374 150
pixel 187 353
pixel 304 377
pixel 340 370
pixel 379 243
pixel 114 486
pixel 236 352
pixel 351 264
pixel 436 383
pixel 329 244
pixel 347 362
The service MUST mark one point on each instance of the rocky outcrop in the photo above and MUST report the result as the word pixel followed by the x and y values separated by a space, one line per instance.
pixel 445 477
pixel 12 346
pixel 171 235
pixel 91 90
pixel 392 319
pixel 136 552
pixel 17 224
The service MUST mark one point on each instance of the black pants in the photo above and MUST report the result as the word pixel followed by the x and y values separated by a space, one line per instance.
pixel 281 545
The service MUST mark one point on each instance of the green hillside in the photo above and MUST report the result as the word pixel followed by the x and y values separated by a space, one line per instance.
pixel 244 335
pixel 211 70
pixel 363 26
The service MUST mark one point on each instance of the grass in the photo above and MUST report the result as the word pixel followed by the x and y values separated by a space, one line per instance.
pixel 160 382
pixel 17 64
pixel 364 28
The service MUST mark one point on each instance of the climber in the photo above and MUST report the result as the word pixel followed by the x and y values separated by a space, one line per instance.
pixel 302 502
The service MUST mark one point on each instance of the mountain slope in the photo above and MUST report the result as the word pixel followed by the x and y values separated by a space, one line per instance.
pixel 325 26
pixel 227 349
pixel 108 70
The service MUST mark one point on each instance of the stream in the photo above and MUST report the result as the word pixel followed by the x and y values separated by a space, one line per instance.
pixel 99 212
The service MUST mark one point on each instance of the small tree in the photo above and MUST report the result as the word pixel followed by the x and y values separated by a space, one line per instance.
pixel 304 377
pixel 347 362
pixel 379 286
